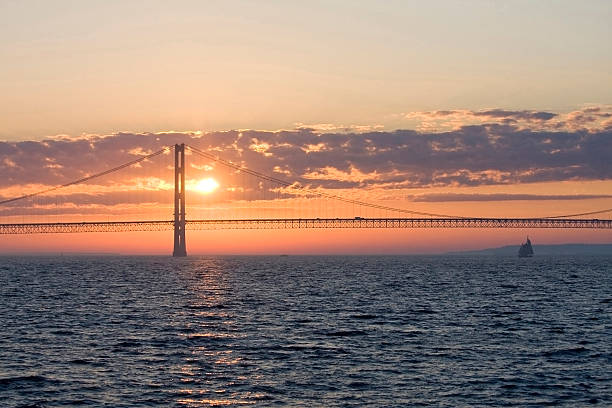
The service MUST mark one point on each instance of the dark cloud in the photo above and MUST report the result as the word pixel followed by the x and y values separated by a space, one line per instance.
pixel 516 115
pixel 451 197
pixel 497 114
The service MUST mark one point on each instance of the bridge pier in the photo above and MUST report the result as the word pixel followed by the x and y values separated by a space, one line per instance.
pixel 179 201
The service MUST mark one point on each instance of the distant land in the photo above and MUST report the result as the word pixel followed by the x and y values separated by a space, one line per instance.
pixel 563 249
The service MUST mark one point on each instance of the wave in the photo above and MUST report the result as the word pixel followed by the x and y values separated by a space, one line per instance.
pixel 345 333
pixel 25 380
pixel 572 351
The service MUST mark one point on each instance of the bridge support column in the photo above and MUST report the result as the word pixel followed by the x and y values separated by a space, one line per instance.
pixel 179 201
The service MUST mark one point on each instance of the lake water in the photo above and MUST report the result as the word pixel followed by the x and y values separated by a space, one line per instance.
pixel 305 331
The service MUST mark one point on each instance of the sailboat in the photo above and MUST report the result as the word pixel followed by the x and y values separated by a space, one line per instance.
pixel 526 251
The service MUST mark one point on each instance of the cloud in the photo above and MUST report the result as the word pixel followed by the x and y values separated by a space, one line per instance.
pixel 468 155
pixel 590 118
pixel 516 115
pixel 330 127
pixel 452 197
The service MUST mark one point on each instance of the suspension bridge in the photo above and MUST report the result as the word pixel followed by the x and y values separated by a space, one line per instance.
pixel 29 213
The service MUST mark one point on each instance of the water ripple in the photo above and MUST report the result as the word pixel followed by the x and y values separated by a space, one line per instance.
pixel 305 331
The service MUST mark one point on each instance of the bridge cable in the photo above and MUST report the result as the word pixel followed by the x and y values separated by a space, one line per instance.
pixel 580 214
pixel 84 179
pixel 318 193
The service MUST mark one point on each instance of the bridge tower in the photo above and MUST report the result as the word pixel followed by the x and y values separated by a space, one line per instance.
pixel 179 201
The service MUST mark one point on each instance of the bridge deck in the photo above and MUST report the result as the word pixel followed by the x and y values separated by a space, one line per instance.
pixel 297 223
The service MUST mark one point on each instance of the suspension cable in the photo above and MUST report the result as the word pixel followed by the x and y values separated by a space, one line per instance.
pixel 318 193
pixel 84 179
pixel 581 214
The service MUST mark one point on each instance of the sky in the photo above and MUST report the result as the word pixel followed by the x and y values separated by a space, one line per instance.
pixel 470 108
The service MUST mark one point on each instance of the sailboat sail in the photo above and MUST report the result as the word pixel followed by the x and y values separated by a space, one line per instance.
pixel 526 250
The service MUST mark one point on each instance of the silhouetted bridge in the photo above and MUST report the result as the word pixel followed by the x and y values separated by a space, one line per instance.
pixel 297 223
pixel 413 219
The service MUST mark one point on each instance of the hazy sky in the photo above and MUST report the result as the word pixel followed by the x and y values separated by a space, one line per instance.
pixel 73 67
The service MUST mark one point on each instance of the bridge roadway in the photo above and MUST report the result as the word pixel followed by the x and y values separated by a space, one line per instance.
pixel 297 223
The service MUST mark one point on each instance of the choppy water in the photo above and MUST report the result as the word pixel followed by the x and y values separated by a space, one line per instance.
pixel 305 331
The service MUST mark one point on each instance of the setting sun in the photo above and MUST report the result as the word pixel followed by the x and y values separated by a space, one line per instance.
pixel 207 185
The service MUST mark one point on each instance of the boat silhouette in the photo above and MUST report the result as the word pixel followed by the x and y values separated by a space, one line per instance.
pixel 526 250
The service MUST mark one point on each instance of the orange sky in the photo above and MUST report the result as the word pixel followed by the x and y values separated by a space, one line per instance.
pixel 345 241
pixel 483 109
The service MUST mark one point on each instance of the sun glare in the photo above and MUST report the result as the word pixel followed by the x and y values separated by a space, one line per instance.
pixel 207 185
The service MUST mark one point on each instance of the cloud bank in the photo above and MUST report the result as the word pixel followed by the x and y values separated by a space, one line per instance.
pixel 590 118
pixel 469 156
pixel 503 150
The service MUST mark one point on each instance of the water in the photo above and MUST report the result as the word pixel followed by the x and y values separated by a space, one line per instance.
pixel 305 331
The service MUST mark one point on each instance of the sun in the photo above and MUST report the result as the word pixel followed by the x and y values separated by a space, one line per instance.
pixel 207 185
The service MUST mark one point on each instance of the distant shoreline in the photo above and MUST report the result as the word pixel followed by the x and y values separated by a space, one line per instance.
pixel 559 249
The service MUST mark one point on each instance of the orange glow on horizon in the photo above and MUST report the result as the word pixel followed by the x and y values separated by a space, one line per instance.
pixel 296 242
